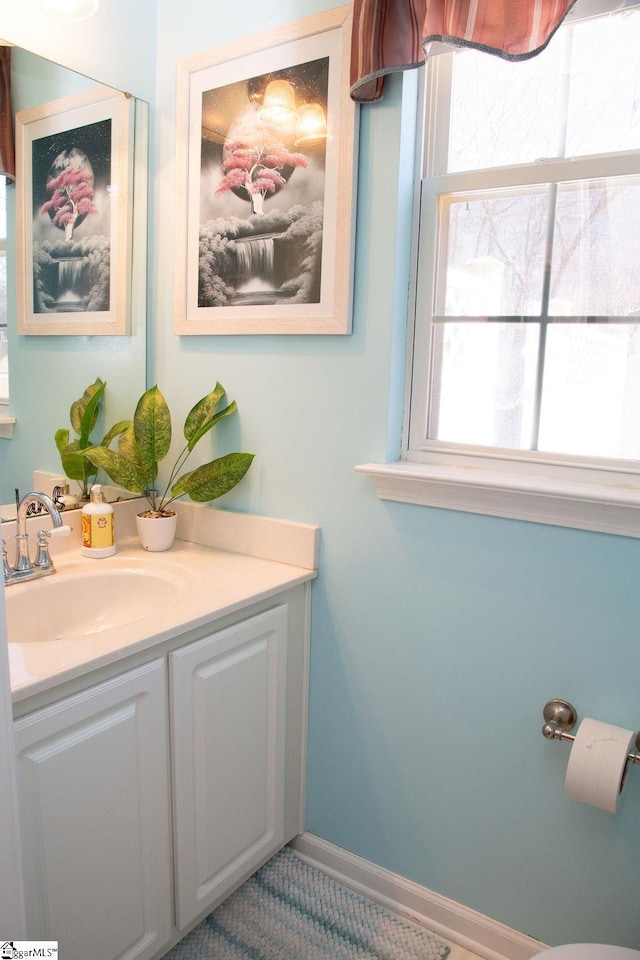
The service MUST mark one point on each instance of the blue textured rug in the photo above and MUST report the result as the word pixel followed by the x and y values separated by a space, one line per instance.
pixel 290 911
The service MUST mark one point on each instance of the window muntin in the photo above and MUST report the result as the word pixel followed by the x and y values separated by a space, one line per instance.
pixel 530 315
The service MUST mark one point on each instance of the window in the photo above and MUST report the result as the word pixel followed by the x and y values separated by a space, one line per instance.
pixel 525 367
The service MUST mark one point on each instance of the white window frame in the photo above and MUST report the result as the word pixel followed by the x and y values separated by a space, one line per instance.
pixel 582 493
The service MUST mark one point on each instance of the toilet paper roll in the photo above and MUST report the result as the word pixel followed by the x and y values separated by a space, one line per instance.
pixel 597 764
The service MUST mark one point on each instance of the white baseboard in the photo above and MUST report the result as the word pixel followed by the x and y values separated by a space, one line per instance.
pixel 471 930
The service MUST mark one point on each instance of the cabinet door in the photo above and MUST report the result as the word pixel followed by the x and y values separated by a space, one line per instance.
pixel 228 696
pixel 95 822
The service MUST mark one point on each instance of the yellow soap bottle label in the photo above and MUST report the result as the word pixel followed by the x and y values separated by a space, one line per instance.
pixel 97 530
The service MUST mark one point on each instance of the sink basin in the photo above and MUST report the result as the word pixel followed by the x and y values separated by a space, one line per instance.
pixel 77 605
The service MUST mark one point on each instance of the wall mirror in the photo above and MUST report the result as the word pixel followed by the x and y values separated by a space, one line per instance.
pixel 47 373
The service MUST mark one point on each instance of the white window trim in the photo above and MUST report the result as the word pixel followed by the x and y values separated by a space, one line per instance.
pixel 520 486
pixel 560 496
pixel 6 422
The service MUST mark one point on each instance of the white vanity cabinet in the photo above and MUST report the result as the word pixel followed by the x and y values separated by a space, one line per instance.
pixel 228 697
pixel 93 788
pixel 149 796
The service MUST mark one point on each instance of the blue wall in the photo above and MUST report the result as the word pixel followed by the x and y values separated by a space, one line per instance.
pixel 437 636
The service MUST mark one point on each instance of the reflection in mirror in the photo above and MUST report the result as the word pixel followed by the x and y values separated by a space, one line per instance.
pixel 47 373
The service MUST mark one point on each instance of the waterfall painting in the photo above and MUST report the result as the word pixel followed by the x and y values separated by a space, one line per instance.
pixel 266 135
pixel 74 215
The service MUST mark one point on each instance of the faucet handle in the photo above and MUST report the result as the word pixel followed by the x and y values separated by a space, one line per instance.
pixel 6 569
pixel 43 559
pixel 62 531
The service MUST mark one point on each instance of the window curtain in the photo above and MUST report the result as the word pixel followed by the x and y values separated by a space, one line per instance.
pixel 7 152
pixel 392 35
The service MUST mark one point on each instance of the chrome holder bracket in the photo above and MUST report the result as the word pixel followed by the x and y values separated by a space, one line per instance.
pixel 560 716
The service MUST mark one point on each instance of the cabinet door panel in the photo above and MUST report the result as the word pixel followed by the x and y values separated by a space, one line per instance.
pixel 228 701
pixel 94 800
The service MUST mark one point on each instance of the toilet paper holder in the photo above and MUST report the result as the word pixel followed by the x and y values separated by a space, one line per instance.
pixel 560 716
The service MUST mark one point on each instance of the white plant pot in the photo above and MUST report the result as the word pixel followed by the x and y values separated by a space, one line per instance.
pixel 156 533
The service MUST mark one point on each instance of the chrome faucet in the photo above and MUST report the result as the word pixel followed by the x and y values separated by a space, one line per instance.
pixel 23 568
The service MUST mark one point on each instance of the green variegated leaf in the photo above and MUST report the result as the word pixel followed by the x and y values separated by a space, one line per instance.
pixel 199 417
pixel 179 487
pixel 115 431
pixel 84 412
pixel 127 445
pixel 62 439
pixel 73 463
pixel 90 415
pixel 129 449
pixel 124 472
pixel 152 426
pixel 75 414
pixel 214 479
pixel 211 423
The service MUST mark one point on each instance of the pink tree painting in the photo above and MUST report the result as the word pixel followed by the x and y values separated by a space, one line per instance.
pixel 257 171
pixel 261 200
pixel 72 194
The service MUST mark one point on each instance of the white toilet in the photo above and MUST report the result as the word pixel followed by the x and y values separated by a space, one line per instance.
pixel 588 951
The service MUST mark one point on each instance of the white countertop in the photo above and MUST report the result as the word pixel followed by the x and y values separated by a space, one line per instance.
pixel 212 583
pixel 218 583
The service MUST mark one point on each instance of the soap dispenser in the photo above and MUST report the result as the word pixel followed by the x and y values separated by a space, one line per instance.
pixel 98 537
pixel 61 496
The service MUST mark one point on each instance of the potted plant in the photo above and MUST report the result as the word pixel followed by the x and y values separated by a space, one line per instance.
pixel 146 442
pixel 84 416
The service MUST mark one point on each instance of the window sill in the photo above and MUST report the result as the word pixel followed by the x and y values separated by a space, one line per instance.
pixel 610 506
pixel 6 422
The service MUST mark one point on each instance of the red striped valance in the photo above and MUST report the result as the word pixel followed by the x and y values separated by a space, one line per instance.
pixel 7 154
pixel 391 35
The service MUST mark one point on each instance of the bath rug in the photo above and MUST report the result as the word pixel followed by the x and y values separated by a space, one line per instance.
pixel 291 911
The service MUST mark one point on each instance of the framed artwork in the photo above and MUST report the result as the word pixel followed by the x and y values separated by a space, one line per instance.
pixel 74 182
pixel 265 173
